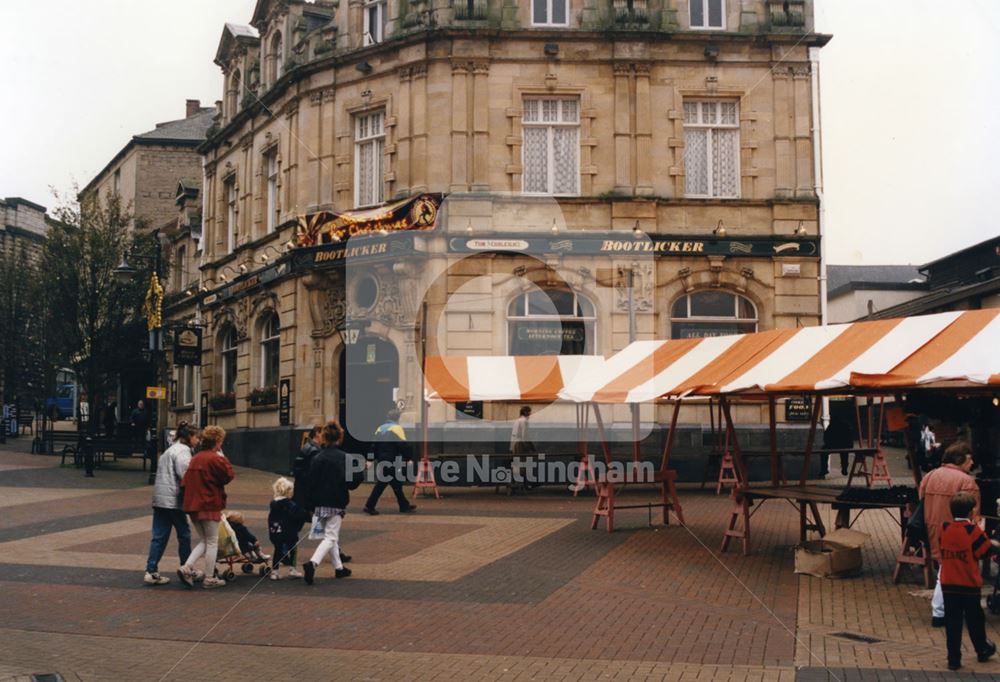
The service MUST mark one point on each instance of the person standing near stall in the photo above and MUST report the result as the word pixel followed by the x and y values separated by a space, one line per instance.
pixel 392 452
pixel 936 490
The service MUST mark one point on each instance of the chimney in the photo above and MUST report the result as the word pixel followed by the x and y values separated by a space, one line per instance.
pixel 193 106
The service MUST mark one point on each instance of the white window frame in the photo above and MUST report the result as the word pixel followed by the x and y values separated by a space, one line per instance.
pixel 363 137
pixel 705 14
pixel 590 320
pixel 117 181
pixel 181 267
pixel 277 56
pixel 271 173
pixel 229 353
pixel 717 125
pixel 550 143
pixel 381 10
pixel 185 386
pixel 715 319
pixel 549 13
pixel 266 341
pixel 229 187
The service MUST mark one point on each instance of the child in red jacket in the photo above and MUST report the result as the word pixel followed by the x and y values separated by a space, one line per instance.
pixel 963 544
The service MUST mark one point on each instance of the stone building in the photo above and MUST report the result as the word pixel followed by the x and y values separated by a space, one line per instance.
pixel 610 169
pixel 146 170
pixel 23 224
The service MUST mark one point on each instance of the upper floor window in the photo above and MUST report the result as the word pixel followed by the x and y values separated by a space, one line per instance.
pixel 551 322
pixel 711 149
pixel 181 268
pixel 375 17
pixel 271 170
pixel 708 14
pixel 277 59
pixel 270 348
pixel 233 94
pixel 551 146
pixel 117 181
pixel 550 12
pixel 369 143
pixel 711 313
pixel 230 190
pixel 227 356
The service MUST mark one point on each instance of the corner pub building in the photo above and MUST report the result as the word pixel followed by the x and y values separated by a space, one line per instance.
pixel 511 168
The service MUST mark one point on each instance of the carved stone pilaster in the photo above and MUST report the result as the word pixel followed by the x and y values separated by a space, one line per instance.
pixel 327 307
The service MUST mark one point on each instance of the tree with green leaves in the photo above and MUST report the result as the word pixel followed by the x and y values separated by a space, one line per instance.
pixel 22 366
pixel 94 323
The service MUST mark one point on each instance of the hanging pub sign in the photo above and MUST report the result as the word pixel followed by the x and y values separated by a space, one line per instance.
pixel 330 227
pixel 203 410
pixel 187 346
pixel 798 409
pixel 285 402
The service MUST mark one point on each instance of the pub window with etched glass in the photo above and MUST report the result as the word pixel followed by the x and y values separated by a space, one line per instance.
pixel 712 313
pixel 551 322
pixel 712 149
pixel 228 360
pixel 710 14
pixel 369 144
pixel 270 347
pixel 551 146
pixel 550 12
pixel 375 16
pixel 271 170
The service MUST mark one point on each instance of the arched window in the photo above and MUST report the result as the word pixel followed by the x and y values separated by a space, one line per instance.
pixel 233 94
pixel 551 322
pixel 270 347
pixel 712 313
pixel 277 59
pixel 227 357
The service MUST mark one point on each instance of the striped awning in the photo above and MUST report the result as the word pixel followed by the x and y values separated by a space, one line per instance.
pixel 953 349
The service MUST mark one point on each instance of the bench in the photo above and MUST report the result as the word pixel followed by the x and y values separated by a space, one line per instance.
pixel 117 446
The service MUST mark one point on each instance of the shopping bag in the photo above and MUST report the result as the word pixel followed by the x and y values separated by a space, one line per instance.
pixel 316 529
pixel 228 544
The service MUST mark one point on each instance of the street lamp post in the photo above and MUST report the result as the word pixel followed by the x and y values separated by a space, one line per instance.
pixel 153 310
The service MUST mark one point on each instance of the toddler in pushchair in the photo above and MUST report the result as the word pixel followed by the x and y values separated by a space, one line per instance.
pixel 241 548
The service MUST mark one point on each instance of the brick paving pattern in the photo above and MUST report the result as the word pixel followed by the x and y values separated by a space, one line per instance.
pixel 474 586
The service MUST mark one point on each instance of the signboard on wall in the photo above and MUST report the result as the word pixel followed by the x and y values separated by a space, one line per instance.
pixel 285 402
pixel 203 410
pixel 471 408
pixel 798 409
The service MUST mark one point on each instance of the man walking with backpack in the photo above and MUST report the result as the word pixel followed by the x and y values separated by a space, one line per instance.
pixel 392 452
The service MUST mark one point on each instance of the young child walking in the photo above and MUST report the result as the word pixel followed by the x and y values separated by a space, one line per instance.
pixel 284 521
pixel 963 544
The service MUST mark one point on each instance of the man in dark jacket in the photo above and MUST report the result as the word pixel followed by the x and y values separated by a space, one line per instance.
pixel 391 454
pixel 838 436
pixel 300 467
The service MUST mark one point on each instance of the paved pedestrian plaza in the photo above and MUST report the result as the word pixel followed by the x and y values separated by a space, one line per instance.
pixel 473 586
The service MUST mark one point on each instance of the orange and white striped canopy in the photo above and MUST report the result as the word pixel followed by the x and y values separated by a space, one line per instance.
pixel 954 348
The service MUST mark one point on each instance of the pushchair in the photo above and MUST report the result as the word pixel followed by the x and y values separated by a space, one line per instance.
pixel 229 556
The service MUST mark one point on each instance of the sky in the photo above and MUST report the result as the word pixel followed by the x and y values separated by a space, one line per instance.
pixel 910 107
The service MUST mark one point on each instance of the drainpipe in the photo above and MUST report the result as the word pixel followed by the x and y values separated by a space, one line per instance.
pixel 817 143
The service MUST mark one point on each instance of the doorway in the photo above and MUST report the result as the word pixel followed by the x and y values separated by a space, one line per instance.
pixel 369 373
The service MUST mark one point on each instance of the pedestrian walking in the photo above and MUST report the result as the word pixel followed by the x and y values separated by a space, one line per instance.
pixel 284 521
pixel 204 500
pixel 167 503
pixel 936 490
pixel 963 545
pixel 391 453
pixel 300 467
pixel 332 475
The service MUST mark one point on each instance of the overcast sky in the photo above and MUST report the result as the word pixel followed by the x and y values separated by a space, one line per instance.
pixel 910 102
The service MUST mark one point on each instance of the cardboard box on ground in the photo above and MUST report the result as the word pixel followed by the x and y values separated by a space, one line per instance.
pixel 836 555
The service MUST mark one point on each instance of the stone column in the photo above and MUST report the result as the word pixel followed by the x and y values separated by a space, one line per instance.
pixel 481 127
pixel 623 129
pixel 459 127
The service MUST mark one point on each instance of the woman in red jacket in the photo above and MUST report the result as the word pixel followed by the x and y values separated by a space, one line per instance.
pixel 204 500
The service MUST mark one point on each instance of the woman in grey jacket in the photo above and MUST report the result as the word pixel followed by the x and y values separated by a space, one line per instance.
pixel 167 496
